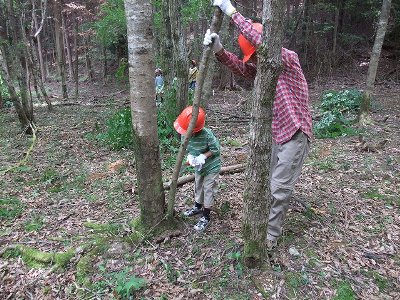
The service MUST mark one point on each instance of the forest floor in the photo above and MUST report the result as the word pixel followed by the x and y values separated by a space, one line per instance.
pixel 70 202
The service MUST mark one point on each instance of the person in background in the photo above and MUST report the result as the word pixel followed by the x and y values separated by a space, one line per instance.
pixel 159 82
pixel 193 71
pixel 204 155
pixel 291 122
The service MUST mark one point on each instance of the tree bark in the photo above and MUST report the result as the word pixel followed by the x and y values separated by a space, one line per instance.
pixel 144 111
pixel 57 5
pixel 180 59
pixel 88 60
pixel 67 47
pixel 38 39
pixel 364 117
pixel 76 63
pixel 257 192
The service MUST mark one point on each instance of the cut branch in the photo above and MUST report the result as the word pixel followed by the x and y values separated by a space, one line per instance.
pixel 224 170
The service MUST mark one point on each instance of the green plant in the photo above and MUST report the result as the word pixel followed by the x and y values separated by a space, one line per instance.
pixel 236 257
pixel 344 291
pixel 121 73
pixel 35 223
pixel 10 208
pixel 338 111
pixel 172 274
pixel 119 132
pixel 125 285
pixel 111 26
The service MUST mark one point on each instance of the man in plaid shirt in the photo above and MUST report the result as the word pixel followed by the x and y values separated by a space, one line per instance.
pixel 291 122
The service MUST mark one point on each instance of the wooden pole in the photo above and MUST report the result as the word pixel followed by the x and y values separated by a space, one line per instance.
pixel 216 23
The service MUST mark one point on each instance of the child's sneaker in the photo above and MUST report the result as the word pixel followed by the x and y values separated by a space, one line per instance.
pixel 201 224
pixel 192 211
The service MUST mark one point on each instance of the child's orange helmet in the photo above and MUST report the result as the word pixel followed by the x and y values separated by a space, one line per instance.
pixel 248 48
pixel 181 123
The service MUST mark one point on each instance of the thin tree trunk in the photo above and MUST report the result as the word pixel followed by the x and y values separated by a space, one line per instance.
pixel 144 112
pixel 60 46
pixel 22 116
pixel 335 31
pixel 166 44
pixel 215 27
pixel 104 64
pixel 257 192
pixel 67 47
pixel 88 60
pixel 76 75
pixel 181 63
pixel 364 117
pixel 38 39
pixel 1 101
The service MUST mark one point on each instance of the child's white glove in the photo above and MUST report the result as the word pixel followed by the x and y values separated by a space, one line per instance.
pixel 208 39
pixel 190 160
pixel 199 161
pixel 226 6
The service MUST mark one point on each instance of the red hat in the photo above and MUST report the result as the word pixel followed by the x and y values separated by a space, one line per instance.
pixel 181 123
pixel 248 48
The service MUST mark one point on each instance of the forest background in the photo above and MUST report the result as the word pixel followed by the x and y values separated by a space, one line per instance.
pixel 69 206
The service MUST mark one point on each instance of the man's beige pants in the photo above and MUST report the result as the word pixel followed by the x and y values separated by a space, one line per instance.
pixel 205 189
pixel 286 163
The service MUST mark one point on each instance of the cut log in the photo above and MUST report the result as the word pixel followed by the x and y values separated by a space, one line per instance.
pixel 224 170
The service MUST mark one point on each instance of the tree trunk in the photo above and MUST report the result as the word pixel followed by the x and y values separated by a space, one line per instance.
pixel 38 39
pixel 76 72
pixel 67 47
pixel 57 6
pixel 144 111
pixel 88 60
pixel 364 117
pixel 181 63
pixel 166 44
pixel 22 116
pixel 19 63
pixel 257 190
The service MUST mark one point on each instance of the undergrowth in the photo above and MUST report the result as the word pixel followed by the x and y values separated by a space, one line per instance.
pixel 338 111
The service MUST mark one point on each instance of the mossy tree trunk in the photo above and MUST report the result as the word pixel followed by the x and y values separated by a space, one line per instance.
pixel 144 111
pixel 364 117
pixel 13 53
pixel 257 190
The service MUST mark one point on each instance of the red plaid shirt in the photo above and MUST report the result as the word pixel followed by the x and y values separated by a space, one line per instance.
pixel 291 109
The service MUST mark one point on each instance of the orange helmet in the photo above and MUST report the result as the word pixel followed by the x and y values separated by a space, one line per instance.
pixel 248 48
pixel 181 123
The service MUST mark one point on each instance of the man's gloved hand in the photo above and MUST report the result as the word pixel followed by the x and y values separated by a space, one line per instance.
pixel 208 39
pixel 190 160
pixel 226 6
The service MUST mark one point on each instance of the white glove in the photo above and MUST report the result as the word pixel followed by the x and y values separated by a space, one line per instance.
pixel 208 40
pixel 191 160
pixel 226 6
pixel 199 161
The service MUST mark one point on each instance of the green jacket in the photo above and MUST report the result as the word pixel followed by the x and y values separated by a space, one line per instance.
pixel 202 142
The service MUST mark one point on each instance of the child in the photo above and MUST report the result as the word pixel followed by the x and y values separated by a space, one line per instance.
pixel 159 82
pixel 193 70
pixel 204 156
